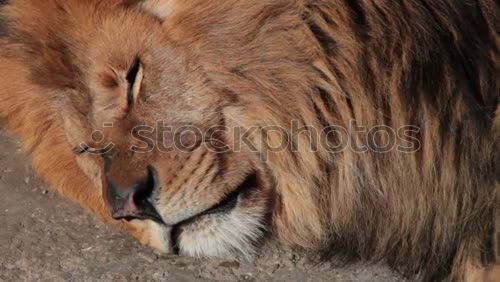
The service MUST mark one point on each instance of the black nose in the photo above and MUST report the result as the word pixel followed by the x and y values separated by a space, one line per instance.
pixel 136 201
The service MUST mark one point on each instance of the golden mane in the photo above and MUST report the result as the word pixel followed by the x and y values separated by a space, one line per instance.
pixel 391 63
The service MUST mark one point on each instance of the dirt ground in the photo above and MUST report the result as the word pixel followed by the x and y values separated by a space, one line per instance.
pixel 45 238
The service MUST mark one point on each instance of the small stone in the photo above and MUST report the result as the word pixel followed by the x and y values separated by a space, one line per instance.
pixel 45 192
pixel 181 264
pixel 247 277
pixel 230 264
pixel 27 180
pixel 87 249
pixel 160 276
pixel 148 257
pixel 276 268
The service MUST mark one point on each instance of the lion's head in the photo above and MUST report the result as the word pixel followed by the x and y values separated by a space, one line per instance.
pixel 192 139
pixel 148 127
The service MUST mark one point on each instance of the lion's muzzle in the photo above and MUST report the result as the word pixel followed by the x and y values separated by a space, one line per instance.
pixel 134 201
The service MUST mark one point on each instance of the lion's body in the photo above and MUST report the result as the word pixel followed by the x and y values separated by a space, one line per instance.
pixel 430 64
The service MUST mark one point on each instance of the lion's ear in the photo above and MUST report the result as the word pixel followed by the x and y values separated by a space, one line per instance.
pixel 158 8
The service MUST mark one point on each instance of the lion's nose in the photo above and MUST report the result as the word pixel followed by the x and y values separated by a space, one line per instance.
pixel 136 201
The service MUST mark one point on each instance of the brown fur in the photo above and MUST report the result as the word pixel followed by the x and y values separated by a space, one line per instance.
pixel 431 64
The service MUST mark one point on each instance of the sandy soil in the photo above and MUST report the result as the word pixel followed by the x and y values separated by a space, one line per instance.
pixel 45 238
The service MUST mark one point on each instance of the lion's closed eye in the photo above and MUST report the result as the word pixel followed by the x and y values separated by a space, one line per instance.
pixel 134 81
pixel 116 89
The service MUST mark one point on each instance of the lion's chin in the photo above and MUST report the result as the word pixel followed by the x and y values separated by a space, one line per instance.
pixel 233 228
pixel 235 234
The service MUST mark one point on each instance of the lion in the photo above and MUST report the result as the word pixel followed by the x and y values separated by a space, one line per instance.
pixel 194 124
